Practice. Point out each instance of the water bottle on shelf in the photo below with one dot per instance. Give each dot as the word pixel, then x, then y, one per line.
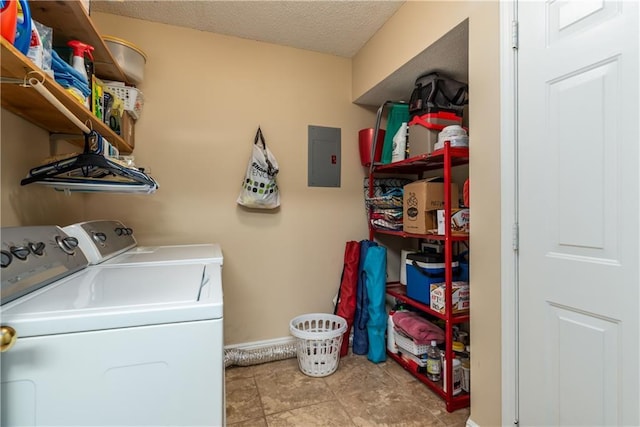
pixel 434 368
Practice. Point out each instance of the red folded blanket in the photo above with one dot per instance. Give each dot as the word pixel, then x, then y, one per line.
pixel 420 329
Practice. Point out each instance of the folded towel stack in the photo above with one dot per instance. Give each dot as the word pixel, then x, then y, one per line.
pixel 418 328
pixel 67 76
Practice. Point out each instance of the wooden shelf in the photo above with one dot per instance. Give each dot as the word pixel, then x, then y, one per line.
pixel 69 21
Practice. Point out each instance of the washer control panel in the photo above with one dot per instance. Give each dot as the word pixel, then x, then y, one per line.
pixel 33 257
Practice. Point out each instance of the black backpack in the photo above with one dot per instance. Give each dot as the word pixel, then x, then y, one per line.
pixel 434 93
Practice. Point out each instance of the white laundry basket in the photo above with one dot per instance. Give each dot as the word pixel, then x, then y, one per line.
pixel 319 337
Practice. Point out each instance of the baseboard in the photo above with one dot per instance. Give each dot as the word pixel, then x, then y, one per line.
pixel 471 423
pixel 261 344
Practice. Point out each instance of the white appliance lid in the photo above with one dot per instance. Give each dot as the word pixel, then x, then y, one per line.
pixel 107 298
pixel 174 254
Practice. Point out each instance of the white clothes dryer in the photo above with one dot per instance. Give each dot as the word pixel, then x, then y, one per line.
pixel 111 243
pixel 133 345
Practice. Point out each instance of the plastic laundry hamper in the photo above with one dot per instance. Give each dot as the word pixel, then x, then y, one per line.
pixel 319 337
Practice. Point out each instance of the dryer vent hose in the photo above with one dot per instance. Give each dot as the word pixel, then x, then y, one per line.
pixel 240 357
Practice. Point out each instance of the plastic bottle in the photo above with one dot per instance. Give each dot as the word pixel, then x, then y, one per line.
pixel 466 374
pixel 79 50
pixel 23 27
pixel 36 51
pixel 457 376
pixel 399 143
pixel 434 368
pixel 391 337
pixel 8 20
pixel 407 147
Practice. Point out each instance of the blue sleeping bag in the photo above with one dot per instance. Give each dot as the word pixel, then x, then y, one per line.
pixel 375 275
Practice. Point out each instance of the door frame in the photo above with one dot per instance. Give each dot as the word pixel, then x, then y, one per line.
pixel 509 212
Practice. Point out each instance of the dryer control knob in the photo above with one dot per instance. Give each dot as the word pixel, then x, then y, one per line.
pixel 120 231
pixel 99 237
pixel 37 248
pixel 67 244
pixel 6 259
pixel 20 252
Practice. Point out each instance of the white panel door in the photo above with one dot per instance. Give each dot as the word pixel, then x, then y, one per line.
pixel 578 213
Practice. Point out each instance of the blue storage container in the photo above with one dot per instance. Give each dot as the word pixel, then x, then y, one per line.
pixel 422 271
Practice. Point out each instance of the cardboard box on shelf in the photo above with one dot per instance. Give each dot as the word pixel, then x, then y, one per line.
pixel 419 199
pixel 421 140
pixel 459 297
pixel 459 221
pixel 127 129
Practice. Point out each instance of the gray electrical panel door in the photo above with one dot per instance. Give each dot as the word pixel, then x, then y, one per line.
pixel 324 157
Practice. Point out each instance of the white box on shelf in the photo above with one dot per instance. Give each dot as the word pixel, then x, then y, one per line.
pixel 459 221
pixel 459 297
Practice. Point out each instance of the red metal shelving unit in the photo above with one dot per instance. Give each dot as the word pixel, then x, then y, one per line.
pixel 443 159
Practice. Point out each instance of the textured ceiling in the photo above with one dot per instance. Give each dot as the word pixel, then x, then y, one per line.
pixel 337 27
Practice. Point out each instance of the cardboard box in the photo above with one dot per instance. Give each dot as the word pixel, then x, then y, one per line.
pixel 459 297
pixel 421 140
pixel 459 221
pixel 127 129
pixel 420 198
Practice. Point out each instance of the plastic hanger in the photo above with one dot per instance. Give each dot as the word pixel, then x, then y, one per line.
pixel 93 169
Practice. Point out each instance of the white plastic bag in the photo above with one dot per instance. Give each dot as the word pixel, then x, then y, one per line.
pixel 259 187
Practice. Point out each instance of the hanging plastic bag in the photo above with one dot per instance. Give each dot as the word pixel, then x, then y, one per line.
pixel 259 187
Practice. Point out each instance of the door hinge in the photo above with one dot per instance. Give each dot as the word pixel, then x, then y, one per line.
pixel 514 35
pixel 515 244
pixel 516 422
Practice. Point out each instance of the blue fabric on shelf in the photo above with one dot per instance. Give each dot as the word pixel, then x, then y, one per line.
pixel 67 76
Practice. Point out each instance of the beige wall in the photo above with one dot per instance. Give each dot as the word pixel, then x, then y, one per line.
pixel 22 147
pixel 205 96
pixel 404 36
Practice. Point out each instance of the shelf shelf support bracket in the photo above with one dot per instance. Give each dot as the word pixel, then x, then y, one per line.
pixel 55 137
pixel 13 81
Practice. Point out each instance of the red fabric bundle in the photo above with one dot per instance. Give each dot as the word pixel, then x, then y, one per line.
pixel 420 329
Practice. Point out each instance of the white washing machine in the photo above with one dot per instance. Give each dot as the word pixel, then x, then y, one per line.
pixel 128 345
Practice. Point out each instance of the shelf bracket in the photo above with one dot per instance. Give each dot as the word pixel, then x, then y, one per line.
pixel 14 81
pixel 55 137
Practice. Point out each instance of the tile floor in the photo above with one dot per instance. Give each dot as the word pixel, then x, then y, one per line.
pixel 359 393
